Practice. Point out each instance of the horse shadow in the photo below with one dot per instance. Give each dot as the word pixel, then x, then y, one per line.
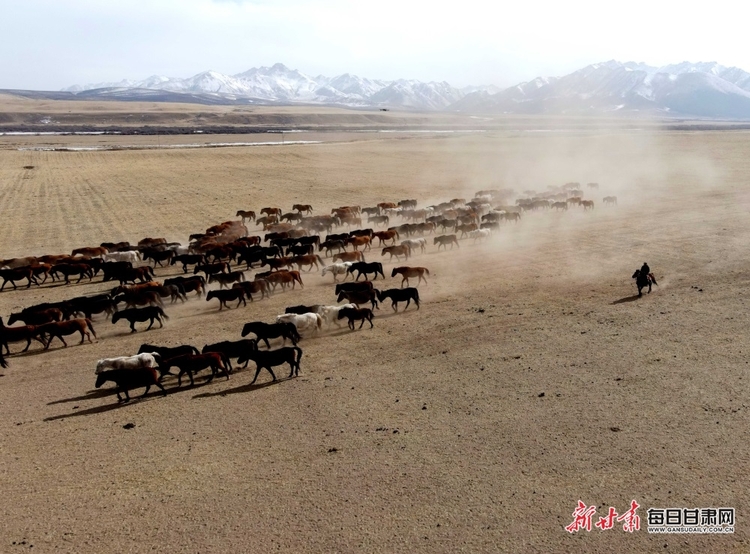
pixel 243 388
pixel 99 409
pixel 626 299
pixel 93 394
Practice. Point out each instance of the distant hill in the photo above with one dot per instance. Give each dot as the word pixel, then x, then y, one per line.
pixel 695 90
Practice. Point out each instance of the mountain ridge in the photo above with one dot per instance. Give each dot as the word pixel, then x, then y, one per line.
pixel 703 89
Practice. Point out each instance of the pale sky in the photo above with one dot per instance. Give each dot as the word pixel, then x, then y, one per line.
pixel 51 44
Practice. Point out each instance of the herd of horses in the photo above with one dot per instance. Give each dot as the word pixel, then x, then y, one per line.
pixel 291 245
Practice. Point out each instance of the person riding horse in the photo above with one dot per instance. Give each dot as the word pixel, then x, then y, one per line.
pixel 644 278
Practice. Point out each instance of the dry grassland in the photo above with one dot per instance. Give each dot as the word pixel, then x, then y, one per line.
pixel 474 424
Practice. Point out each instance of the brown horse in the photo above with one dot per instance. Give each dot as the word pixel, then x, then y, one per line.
pixel 253 287
pixel 356 242
pixel 61 328
pixel 466 228
pixel 308 260
pixel 271 211
pixel 445 240
pixel 303 208
pixel 398 251
pixel 355 256
pixel 17 274
pixel 37 317
pixel 277 263
pixel 284 278
pixel 410 272
pixel 151 242
pixel 245 215
pixel 18 334
pixel 90 251
pixel 14 263
pixel 385 236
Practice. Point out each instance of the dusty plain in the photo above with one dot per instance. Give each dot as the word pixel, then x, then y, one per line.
pixel 529 379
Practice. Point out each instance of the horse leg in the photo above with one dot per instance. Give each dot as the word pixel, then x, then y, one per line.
pixel 394 305
pixel 369 318
pixel 146 391
pixel 158 384
pixel 213 374
pixel 65 344
pixel 257 372
pixel 408 301
pixel 83 338
pixel 132 326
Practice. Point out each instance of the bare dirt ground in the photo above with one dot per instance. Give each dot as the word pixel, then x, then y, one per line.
pixel 529 379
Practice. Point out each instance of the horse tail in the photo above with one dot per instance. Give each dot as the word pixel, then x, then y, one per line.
pixel 416 296
pixel 319 321
pixel 298 351
pixel 320 260
pixel 162 313
pixel 91 327
pixel 194 349
pixel 427 271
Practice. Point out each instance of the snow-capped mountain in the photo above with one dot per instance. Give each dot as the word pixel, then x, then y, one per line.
pixel 278 83
pixel 684 89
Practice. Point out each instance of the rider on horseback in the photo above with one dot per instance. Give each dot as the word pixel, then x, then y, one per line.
pixel 645 270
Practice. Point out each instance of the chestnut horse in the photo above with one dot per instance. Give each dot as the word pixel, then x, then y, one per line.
pixel 385 236
pixel 407 272
pixel 61 328
pixel 17 334
pixel 397 251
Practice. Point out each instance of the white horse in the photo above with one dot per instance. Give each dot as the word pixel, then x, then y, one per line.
pixel 132 256
pixel 303 322
pixel 479 234
pixel 330 314
pixel 139 361
pixel 337 269
pixel 413 244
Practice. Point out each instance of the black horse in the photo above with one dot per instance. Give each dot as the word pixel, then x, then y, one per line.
pixel 152 313
pixel 400 295
pixel 644 280
pixel 363 268
pixel 265 331
pixel 271 358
